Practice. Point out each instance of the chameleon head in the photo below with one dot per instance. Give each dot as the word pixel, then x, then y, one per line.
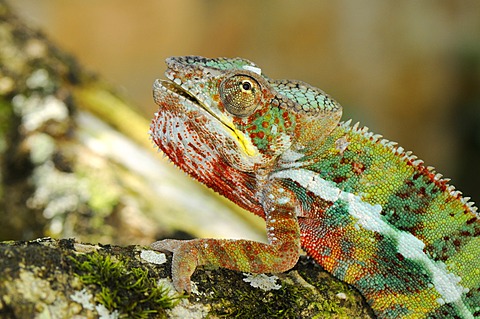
pixel 226 110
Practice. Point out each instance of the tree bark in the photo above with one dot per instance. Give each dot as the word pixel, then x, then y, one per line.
pixel 48 278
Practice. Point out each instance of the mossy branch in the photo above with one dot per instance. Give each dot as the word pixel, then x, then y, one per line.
pixel 64 279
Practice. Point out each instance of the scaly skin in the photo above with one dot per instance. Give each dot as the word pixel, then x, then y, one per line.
pixel 368 212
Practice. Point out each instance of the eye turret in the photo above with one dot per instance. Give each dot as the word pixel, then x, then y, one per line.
pixel 240 94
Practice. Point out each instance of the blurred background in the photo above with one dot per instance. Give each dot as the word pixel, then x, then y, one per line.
pixel 409 70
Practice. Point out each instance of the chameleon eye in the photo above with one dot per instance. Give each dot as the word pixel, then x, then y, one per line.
pixel 246 85
pixel 240 94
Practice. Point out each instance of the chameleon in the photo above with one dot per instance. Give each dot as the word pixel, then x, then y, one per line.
pixel 369 212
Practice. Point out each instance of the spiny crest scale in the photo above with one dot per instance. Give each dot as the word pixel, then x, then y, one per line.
pixel 408 156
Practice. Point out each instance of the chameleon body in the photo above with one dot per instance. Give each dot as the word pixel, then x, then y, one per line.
pixel 370 213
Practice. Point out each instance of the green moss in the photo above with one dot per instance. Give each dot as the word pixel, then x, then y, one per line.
pixel 130 290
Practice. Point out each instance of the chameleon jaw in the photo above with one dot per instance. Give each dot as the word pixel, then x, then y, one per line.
pixel 172 88
pixel 163 87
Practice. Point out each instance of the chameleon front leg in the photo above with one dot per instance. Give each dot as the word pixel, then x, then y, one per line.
pixel 278 255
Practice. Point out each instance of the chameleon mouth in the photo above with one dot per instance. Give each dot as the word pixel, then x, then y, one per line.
pixel 170 87
pixel 163 88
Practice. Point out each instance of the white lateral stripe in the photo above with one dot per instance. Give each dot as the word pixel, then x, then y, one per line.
pixel 368 216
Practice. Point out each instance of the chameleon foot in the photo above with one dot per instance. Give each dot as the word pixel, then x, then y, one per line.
pixel 184 261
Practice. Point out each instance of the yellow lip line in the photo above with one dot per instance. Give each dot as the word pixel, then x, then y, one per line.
pixel 245 143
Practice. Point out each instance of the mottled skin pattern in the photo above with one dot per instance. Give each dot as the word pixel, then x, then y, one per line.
pixel 368 212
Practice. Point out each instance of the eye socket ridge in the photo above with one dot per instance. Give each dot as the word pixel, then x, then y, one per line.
pixel 240 94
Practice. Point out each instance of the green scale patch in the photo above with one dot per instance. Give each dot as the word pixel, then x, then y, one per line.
pixel 266 128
